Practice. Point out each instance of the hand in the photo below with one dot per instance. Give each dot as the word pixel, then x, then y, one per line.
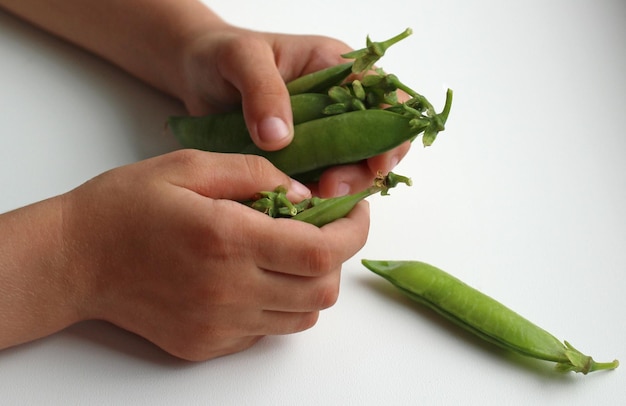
pixel 166 252
pixel 226 66
pixel 183 48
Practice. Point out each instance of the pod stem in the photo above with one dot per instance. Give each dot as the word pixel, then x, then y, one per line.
pixel 366 57
pixel 579 362
pixel 275 203
pixel 438 122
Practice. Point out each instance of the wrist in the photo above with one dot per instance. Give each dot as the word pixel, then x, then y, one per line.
pixel 40 293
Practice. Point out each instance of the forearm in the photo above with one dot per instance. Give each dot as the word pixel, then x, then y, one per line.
pixel 144 37
pixel 39 294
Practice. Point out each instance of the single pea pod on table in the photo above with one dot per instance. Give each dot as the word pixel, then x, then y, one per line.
pixel 481 314
pixel 336 121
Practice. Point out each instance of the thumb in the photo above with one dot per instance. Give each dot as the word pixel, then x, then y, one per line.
pixel 264 96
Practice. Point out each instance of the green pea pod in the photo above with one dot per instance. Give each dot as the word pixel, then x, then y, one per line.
pixel 341 139
pixel 318 143
pixel 331 209
pixel 364 58
pixel 318 211
pixel 227 132
pixel 320 81
pixel 482 315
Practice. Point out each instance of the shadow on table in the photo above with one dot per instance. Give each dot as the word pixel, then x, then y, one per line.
pixel 119 342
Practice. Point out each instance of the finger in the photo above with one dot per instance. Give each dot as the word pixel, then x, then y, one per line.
pixel 291 293
pixel 279 323
pixel 250 66
pixel 306 250
pixel 345 179
pixel 211 348
pixel 227 176
pixel 387 161
pixel 306 54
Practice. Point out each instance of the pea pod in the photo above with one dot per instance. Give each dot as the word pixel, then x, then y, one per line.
pixel 334 208
pixel 318 144
pixel 318 211
pixel 364 58
pixel 482 315
pixel 344 125
pixel 341 139
pixel 227 132
pixel 319 81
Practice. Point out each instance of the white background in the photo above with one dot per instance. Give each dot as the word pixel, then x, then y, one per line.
pixel 523 196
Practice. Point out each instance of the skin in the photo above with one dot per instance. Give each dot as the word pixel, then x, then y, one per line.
pixel 227 132
pixel 184 49
pixel 209 278
pixel 159 247
pixel 321 140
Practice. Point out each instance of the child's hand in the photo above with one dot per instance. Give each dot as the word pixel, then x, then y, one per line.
pixel 226 66
pixel 166 252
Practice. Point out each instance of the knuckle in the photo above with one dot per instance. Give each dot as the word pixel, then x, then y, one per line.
pixel 259 168
pixel 267 89
pixel 327 52
pixel 189 159
pixel 327 296
pixel 242 45
pixel 320 259
pixel 307 321
pixel 257 165
pixel 325 291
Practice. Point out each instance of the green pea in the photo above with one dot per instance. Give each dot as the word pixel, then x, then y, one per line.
pixel 482 315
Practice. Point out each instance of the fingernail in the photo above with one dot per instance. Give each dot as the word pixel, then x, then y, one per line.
pixel 343 189
pixel 272 129
pixel 299 189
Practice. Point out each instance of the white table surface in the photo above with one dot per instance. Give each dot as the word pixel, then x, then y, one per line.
pixel 523 196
